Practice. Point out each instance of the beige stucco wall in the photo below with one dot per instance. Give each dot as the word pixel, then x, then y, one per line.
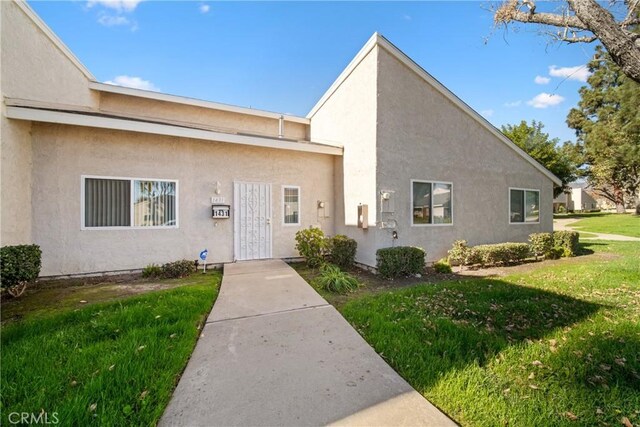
pixel 61 154
pixel 34 68
pixel 348 118
pixel 15 182
pixel 423 135
pixel 224 121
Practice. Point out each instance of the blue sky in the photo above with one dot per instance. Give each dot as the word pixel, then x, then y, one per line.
pixel 283 56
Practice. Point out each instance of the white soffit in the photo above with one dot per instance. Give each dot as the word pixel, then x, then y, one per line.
pixel 102 122
pixel 378 40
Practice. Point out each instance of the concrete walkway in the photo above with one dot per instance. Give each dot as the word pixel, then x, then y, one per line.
pixel 565 224
pixel 275 353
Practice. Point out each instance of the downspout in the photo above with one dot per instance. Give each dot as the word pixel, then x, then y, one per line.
pixel 281 127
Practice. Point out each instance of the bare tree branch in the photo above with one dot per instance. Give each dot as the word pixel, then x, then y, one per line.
pixel 584 15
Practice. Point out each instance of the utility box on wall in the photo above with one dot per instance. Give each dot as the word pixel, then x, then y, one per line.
pixel 363 216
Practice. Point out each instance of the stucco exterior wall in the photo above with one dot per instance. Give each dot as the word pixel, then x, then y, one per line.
pixel 61 154
pixel 348 118
pixel 34 68
pixel 15 182
pixel 224 121
pixel 423 135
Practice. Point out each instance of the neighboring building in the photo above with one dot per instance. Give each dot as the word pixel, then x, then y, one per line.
pixel 578 198
pixel 108 178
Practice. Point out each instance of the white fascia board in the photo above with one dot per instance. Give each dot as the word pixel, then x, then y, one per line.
pixel 74 119
pixel 158 96
pixel 22 4
pixel 368 46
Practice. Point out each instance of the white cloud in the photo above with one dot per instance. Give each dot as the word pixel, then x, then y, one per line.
pixel 112 21
pixel 513 104
pixel 544 100
pixel 119 5
pixel 407 17
pixel 204 8
pixel 539 80
pixel 579 72
pixel 133 82
pixel 487 113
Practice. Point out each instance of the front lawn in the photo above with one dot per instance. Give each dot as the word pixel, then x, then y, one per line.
pixel 109 363
pixel 623 224
pixel 557 345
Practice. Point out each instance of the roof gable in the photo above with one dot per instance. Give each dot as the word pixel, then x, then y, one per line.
pixel 383 43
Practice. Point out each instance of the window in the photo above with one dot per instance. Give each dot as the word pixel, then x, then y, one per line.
pixel 128 202
pixel 291 199
pixel 431 203
pixel 524 206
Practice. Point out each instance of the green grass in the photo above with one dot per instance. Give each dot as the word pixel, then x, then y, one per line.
pixel 123 356
pixel 556 346
pixel 623 224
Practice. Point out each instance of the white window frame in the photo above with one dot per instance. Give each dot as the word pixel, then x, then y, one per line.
pixel 432 182
pixel 292 224
pixel 132 220
pixel 525 222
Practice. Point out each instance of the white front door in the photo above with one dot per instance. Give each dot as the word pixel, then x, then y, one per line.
pixel 252 220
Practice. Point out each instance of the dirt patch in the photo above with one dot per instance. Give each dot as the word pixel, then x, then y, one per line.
pixel 51 295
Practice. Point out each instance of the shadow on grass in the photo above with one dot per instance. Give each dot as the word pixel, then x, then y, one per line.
pixel 427 330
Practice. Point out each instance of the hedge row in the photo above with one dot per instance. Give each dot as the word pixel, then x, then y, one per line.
pixel 556 244
pixel 312 244
pixel 19 265
pixel 400 261
pixel 170 270
pixel 500 253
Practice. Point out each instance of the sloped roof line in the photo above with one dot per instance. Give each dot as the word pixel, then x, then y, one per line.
pixel 378 40
pixel 26 9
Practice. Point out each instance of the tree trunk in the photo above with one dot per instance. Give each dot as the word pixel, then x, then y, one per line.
pixel 620 45
pixel 619 199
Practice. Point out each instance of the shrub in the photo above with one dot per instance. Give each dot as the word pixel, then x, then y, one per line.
pixel 152 270
pixel 333 279
pixel 19 266
pixel 400 261
pixel 561 209
pixel 541 243
pixel 442 266
pixel 311 244
pixel 178 269
pixel 568 240
pixel 500 253
pixel 458 253
pixel 555 253
pixel 342 250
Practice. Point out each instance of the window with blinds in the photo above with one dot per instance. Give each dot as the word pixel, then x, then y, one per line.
pixel 291 198
pixel 118 202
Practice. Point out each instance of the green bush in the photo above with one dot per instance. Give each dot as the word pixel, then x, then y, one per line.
pixel 311 244
pixel 152 270
pixel 442 266
pixel 19 265
pixel 400 261
pixel 500 253
pixel 541 243
pixel 555 252
pixel 458 253
pixel 342 250
pixel 568 240
pixel 177 269
pixel 333 279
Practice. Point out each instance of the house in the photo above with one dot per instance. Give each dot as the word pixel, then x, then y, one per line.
pixel 578 198
pixel 107 178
